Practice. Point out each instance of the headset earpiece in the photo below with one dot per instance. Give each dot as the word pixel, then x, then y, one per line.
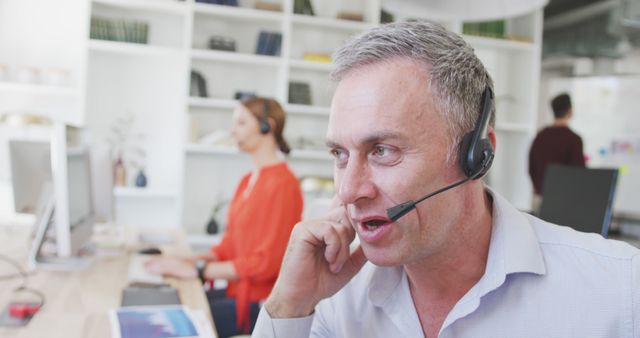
pixel 265 127
pixel 476 151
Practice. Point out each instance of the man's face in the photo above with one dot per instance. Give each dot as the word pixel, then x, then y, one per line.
pixel 390 146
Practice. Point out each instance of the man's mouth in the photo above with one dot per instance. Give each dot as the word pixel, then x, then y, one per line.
pixel 373 224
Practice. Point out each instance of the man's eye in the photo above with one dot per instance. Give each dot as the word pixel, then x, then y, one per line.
pixel 380 151
pixel 339 155
pixel 384 154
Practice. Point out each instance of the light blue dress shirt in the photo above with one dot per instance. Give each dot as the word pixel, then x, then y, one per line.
pixel 541 280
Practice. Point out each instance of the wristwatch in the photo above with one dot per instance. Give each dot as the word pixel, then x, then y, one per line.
pixel 201 264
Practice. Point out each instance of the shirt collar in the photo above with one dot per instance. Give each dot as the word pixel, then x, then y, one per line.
pixel 514 239
pixel 514 248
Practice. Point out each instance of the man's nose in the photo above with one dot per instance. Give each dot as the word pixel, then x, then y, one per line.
pixel 355 183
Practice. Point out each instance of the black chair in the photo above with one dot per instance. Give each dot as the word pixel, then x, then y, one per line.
pixel 579 197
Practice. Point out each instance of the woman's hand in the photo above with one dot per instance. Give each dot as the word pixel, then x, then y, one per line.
pixel 171 266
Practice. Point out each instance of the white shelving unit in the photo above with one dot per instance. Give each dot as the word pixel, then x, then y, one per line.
pixel 146 85
pixel 117 47
pixel 41 73
pixel 150 82
pixel 515 69
pixel 231 57
pixel 37 89
pixel 209 173
pixel 167 7
pixel 266 76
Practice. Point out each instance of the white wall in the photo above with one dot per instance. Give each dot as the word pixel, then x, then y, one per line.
pixel 605 111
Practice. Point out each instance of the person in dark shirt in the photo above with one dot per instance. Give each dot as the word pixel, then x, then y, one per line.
pixel 554 144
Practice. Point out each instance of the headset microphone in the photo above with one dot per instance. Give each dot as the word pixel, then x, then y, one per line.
pixel 394 213
pixel 476 156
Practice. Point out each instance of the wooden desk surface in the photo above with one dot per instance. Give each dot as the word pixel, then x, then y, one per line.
pixel 78 302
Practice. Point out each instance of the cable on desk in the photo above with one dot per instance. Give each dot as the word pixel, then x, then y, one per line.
pixel 16 265
pixel 25 276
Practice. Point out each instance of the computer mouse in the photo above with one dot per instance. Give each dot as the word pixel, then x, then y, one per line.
pixel 150 251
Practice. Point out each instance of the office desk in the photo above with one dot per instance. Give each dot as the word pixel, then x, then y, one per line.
pixel 78 302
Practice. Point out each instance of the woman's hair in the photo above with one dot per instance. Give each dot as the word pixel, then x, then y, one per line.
pixel 263 109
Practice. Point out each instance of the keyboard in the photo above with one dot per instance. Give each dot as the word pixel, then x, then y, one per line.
pixel 137 272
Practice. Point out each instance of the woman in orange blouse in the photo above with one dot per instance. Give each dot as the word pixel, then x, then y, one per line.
pixel 265 207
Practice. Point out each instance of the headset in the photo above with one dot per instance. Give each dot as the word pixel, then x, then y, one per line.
pixel 476 151
pixel 476 156
pixel 265 126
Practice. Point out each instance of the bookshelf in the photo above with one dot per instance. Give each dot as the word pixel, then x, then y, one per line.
pixel 208 173
pixel 514 64
pixel 243 70
pixel 150 82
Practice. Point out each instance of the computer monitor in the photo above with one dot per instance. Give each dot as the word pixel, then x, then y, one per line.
pixel 30 172
pixel 67 214
pixel 579 197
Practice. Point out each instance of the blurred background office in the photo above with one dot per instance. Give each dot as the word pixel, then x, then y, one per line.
pixel 130 102
pixel 153 83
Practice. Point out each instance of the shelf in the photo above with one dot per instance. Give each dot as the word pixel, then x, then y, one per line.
pixel 37 89
pixel 345 25
pixel 296 154
pixel 161 6
pixel 298 109
pixel 480 42
pixel 302 109
pixel 206 149
pixel 249 59
pixel 311 65
pixel 135 192
pixel 205 102
pixel 129 48
pixel 238 12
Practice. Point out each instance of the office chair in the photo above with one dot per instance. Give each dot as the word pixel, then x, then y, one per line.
pixel 579 197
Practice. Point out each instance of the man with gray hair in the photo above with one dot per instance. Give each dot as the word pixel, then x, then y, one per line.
pixel 412 113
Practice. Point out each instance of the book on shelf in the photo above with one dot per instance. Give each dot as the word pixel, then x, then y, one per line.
pixel 492 29
pixel 224 43
pixel 268 6
pixel 198 85
pixel 351 16
pixel 303 7
pixel 299 93
pixel 385 16
pixel 317 57
pixel 269 43
pixel 118 30
pixel 233 3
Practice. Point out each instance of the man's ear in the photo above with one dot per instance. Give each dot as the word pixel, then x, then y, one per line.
pixel 492 137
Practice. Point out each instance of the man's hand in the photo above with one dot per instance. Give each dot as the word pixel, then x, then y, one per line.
pixel 316 265
pixel 171 266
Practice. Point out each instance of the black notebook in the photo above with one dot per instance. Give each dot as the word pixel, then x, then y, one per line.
pixel 140 295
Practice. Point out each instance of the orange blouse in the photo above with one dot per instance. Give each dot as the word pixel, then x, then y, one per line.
pixel 259 223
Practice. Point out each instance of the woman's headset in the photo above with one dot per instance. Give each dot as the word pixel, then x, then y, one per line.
pixel 265 126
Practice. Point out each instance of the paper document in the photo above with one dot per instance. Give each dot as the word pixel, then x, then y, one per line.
pixel 159 322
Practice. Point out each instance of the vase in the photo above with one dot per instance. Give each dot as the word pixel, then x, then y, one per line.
pixel 141 179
